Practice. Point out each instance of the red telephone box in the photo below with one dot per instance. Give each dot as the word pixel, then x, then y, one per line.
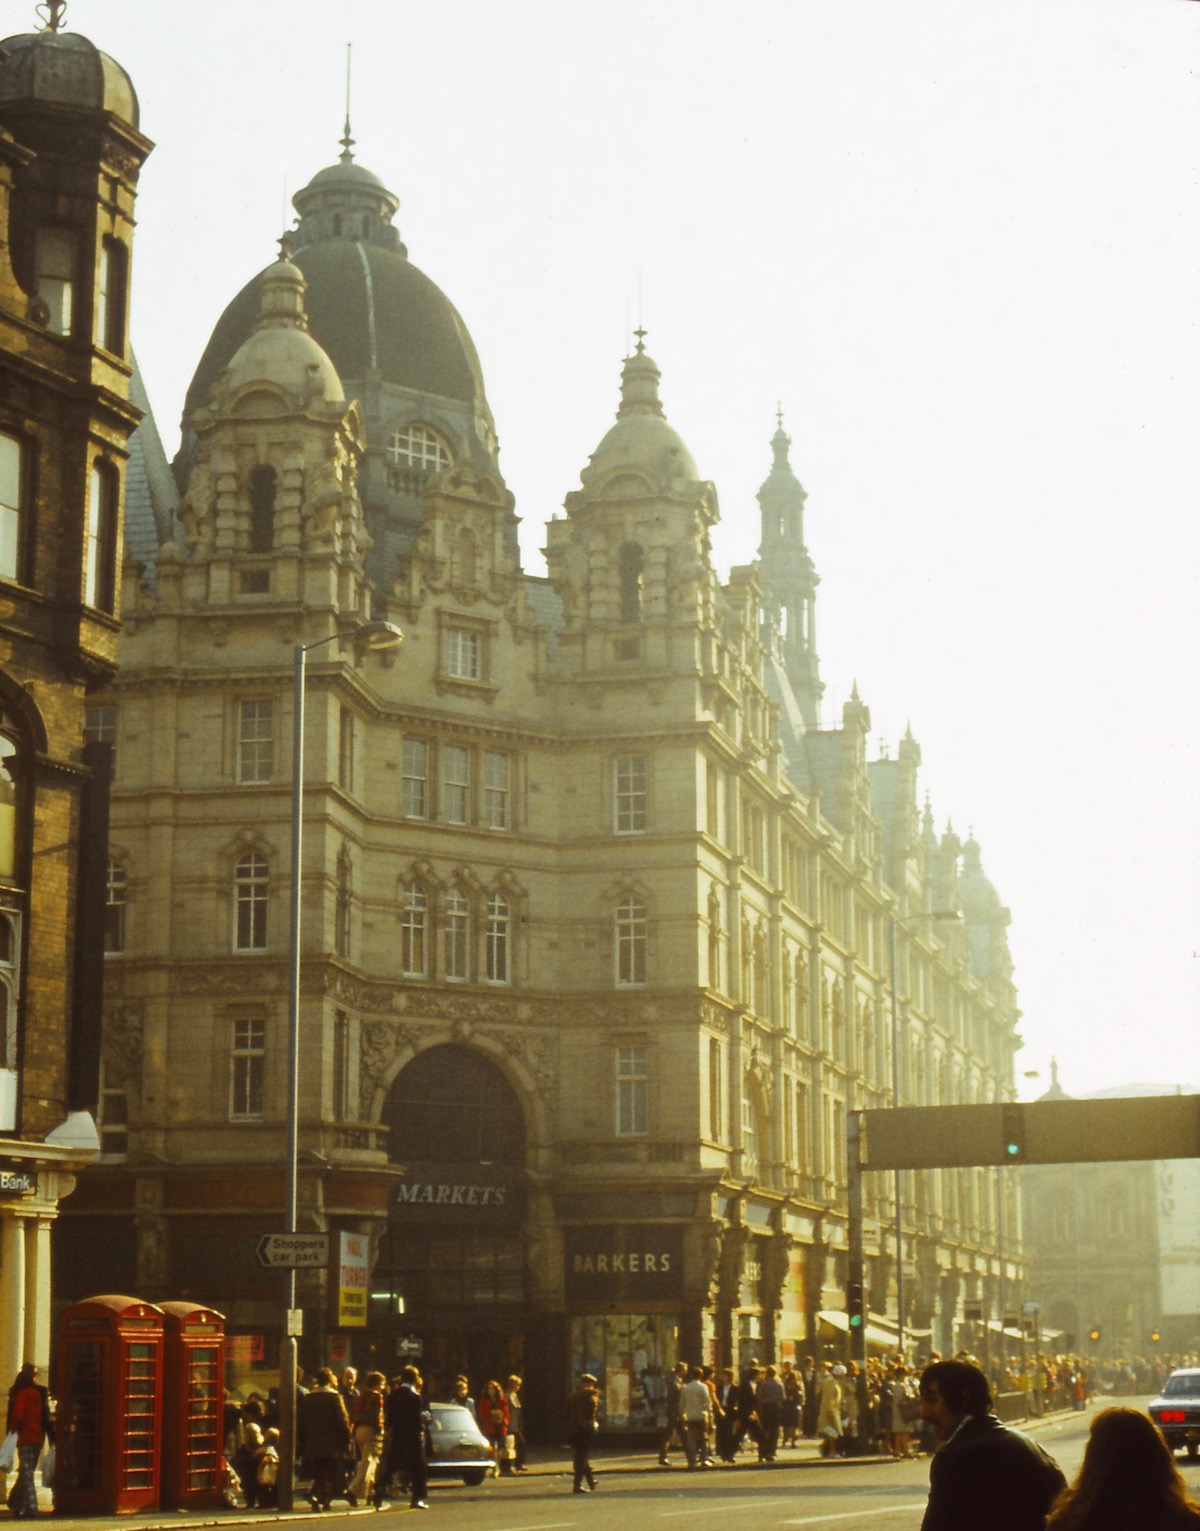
pixel 193 1405
pixel 110 1361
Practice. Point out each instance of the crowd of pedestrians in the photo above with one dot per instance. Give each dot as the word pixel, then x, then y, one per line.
pixel 354 1442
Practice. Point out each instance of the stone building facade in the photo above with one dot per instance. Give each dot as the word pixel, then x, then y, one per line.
pixel 70 153
pixel 597 914
pixel 1115 1248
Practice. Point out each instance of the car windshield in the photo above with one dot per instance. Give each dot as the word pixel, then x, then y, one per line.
pixel 452 1418
pixel 1183 1387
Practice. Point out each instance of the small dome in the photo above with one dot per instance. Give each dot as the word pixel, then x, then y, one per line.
pixel 66 69
pixel 641 442
pixel 281 352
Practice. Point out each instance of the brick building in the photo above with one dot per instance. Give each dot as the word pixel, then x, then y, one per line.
pixel 70 152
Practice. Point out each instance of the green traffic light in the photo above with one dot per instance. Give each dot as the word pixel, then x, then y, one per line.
pixel 1012 1149
pixel 856 1320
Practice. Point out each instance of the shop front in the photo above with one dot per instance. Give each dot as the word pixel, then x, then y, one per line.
pixel 624 1290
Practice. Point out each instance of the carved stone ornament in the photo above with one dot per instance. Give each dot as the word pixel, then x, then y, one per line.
pixel 123 1025
pixel 249 981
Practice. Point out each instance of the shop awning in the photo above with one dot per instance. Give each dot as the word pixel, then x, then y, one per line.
pixel 882 1338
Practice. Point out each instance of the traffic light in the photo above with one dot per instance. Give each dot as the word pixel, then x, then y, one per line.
pixel 1094 1333
pixel 1013 1126
pixel 1155 1335
pixel 854 1305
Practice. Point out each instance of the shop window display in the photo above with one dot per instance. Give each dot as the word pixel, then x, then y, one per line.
pixel 632 1355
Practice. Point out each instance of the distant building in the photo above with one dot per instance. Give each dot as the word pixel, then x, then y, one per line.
pixel 1116 1247
pixel 596 914
pixel 70 152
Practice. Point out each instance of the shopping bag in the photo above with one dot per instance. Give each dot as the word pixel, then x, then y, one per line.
pixel 48 1467
pixel 8 1452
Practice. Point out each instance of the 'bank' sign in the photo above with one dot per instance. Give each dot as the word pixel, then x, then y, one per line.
pixel 14 1182
pixel 616 1261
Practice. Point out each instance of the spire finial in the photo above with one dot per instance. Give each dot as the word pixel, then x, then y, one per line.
pixel 641 333
pixel 779 413
pixel 51 12
pixel 346 141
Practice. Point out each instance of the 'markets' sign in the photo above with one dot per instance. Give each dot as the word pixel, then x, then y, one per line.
pixel 457 1192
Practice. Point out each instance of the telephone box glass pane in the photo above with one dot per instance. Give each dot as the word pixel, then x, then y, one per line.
pixel 86 1383
pixel 200 1469
pixel 141 1386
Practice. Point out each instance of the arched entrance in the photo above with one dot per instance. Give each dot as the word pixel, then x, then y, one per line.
pixel 453 1255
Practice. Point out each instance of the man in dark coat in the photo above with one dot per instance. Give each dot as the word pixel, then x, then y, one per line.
pixel 323 1437
pixel 983 1474
pixel 404 1421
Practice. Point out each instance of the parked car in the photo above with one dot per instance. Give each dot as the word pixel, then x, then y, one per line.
pixel 1176 1411
pixel 457 1446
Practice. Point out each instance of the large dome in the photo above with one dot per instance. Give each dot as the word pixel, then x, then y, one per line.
pixel 371 310
pixel 374 313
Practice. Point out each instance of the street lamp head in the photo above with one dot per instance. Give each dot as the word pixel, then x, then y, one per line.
pixel 378 636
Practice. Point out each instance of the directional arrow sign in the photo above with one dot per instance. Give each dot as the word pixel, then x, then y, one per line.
pixel 291 1251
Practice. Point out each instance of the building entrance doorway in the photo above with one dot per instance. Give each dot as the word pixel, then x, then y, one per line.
pixel 450 1284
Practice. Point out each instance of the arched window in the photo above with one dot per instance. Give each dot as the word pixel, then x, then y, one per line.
pixel 114 908
pixel 456 937
pixel 416 446
pixel 263 483
pixel 630 931
pixel 452 1106
pixel 8 805
pixel 414 931
pixel 250 886
pixel 100 549
pixel 498 936
pixel 111 287
pixel 630 563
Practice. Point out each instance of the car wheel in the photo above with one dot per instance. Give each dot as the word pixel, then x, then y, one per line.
pixel 473 1480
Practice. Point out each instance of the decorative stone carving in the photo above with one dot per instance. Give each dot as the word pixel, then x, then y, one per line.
pixel 123 1042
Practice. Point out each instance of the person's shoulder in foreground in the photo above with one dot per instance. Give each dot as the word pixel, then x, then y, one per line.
pixel 984 1474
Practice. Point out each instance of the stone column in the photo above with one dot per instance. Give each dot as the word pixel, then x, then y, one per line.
pixel 37 1293
pixel 12 1292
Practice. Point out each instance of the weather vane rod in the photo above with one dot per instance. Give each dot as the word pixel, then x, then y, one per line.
pixel 347 141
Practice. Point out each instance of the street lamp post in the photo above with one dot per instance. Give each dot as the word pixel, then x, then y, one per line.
pixel 896 922
pixel 379 636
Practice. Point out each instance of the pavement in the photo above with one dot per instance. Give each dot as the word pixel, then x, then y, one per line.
pixel 611 1457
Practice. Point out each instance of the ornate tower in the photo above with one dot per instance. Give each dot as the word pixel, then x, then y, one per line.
pixel 789 578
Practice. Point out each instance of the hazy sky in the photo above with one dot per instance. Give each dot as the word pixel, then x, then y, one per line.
pixel 960 244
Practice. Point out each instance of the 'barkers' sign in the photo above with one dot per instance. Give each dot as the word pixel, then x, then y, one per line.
pixel 623 1261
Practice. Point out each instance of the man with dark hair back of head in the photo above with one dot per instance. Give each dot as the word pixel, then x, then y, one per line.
pixel 984 1475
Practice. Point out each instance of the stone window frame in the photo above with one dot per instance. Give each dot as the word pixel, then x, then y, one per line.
pixel 631 1089
pixel 247 1068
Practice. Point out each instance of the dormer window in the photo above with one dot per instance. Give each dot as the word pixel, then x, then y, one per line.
pixel 416 446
